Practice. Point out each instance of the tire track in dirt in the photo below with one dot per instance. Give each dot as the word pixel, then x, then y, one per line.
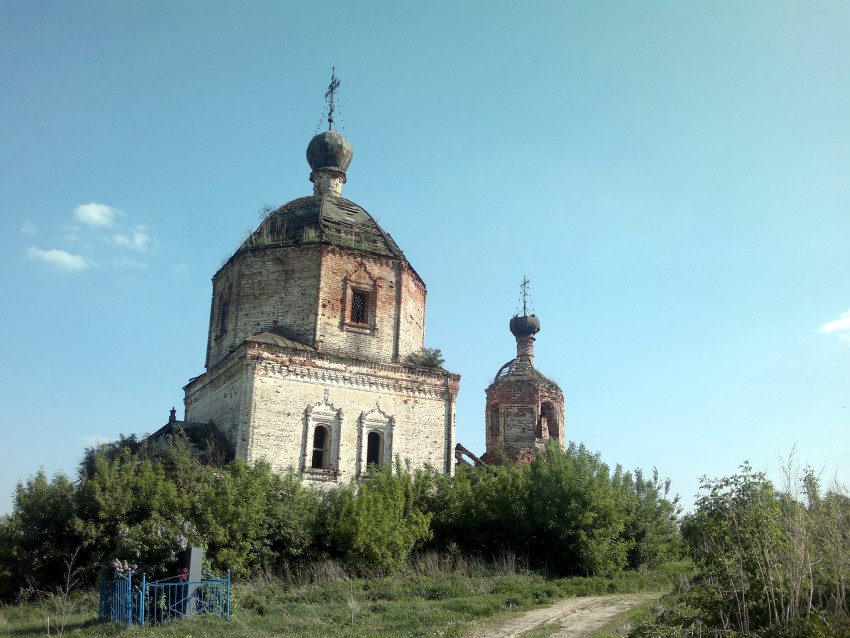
pixel 575 617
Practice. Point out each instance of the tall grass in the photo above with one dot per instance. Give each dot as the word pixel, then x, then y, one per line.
pixel 441 593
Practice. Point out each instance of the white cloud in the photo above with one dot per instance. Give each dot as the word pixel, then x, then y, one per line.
pixel 137 240
pixel 96 214
pixel 59 259
pixel 28 228
pixel 837 325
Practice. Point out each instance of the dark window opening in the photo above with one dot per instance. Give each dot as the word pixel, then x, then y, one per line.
pixel 222 317
pixel 550 414
pixel 359 307
pixel 373 449
pixel 321 439
pixel 494 420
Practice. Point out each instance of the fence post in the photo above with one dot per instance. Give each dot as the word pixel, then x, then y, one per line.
pixel 142 596
pixel 129 599
pixel 227 616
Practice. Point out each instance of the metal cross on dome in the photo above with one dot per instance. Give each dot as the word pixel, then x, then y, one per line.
pixel 329 96
pixel 524 293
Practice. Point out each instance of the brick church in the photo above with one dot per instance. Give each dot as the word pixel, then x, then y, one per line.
pixel 315 327
pixel 316 324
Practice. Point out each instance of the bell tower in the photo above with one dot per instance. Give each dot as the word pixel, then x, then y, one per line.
pixel 524 408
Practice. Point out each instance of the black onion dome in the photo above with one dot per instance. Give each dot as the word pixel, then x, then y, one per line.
pixel 329 150
pixel 525 326
pixel 323 219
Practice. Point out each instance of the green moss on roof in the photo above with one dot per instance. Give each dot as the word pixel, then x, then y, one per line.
pixel 326 219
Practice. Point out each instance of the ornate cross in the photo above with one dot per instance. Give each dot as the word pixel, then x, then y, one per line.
pixel 329 96
pixel 524 289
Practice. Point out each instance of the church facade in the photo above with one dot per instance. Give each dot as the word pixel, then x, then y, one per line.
pixel 315 325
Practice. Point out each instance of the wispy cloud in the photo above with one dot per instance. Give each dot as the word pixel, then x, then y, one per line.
pixel 59 259
pixel 840 326
pixel 99 215
pixel 98 235
pixel 137 239
pixel 28 228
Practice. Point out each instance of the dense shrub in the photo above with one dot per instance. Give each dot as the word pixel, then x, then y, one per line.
pixel 377 526
pixel 40 536
pixel 144 503
pixel 564 511
pixel 771 563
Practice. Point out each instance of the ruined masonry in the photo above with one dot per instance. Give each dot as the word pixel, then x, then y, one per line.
pixel 524 409
pixel 315 323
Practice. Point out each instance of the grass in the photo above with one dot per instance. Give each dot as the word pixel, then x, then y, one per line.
pixel 324 602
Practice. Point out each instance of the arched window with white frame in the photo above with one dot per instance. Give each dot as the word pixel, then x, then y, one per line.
pixel 320 442
pixel 321 448
pixel 374 448
pixel 375 438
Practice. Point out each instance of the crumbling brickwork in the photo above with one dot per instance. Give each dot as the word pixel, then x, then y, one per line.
pixel 271 400
pixel 311 324
pixel 524 408
pixel 522 414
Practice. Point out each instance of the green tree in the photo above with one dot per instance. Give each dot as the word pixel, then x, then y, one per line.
pixel 574 512
pixel 482 509
pixel 738 540
pixel 651 529
pixel 378 525
pixel 41 533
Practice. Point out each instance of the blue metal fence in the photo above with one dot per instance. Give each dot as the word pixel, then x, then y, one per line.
pixel 151 603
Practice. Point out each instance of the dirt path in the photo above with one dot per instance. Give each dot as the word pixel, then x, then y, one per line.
pixel 575 617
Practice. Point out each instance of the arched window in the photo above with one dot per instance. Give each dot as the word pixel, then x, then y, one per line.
pixel 548 411
pixel 321 448
pixel 374 449
pixel 223 309
pixel 494 420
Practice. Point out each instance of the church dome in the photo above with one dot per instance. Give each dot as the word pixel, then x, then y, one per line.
pixel 525 326
pixel 323 219
pixel 329 150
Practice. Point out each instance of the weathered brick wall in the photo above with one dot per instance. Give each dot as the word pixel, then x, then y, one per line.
pixel 413 296
pixel 396 324
pixel 222 396
pixel 261 402
pixel 518 403
pixel 269 288
pixel 283 288
pixel 269 400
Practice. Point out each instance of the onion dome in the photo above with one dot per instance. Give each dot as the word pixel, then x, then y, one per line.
pixel 525 326
pixel 329 151
pixel 329 155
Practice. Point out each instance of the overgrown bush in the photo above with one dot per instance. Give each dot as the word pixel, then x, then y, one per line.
pixel 378 525
pixel 41 534
pixel 771 563
pixel 564 511
pixel 143 503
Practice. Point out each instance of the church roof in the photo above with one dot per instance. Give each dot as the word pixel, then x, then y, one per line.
pixel 521 368
pixel 323 219
pixel 274 339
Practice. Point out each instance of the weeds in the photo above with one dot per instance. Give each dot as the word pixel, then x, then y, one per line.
pixel 440 593
pixel 62 601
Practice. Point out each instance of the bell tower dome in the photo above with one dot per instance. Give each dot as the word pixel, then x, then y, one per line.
pixel 524 408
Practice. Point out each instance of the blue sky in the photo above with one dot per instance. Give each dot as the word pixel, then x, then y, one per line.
pixel 671 176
